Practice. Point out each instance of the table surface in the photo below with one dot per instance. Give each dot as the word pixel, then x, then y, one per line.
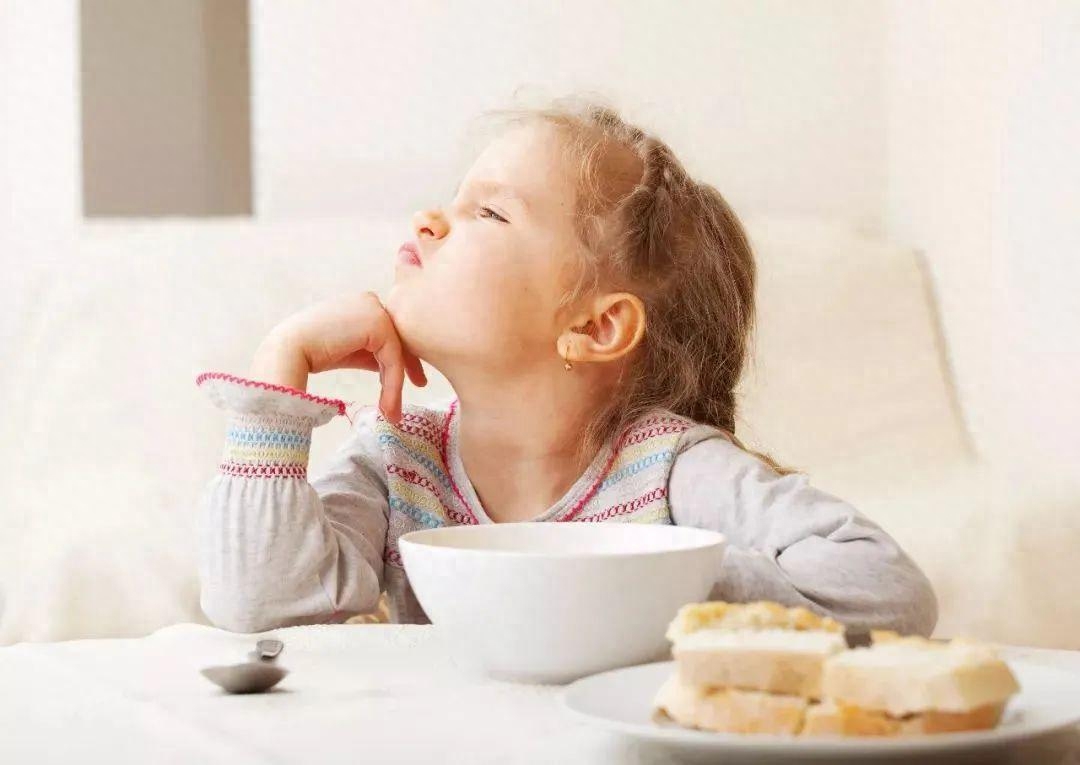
pixel 379 692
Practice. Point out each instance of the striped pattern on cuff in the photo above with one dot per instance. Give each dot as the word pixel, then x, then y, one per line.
pixel 267 446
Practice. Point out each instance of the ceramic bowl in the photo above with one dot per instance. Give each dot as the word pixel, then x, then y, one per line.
pixel 552 602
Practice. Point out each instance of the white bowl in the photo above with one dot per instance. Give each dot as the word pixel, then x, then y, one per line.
pixel 552 602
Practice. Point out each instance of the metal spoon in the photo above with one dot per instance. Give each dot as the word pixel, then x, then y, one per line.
pixel 257 675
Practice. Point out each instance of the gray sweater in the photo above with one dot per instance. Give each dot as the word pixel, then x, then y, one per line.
pixel 278 550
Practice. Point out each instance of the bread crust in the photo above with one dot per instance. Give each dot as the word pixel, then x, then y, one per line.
pixel 724 710
pixel 830 719
pixel 728 710
pixel 762 614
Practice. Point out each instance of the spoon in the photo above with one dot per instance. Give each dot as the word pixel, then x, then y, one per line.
pixel 257 675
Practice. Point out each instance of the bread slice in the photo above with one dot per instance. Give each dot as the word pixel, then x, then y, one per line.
pixel 723 710
pixel 830 719
pixel 760 646
pixel 911 675
pixel 762 614
pixel 773 660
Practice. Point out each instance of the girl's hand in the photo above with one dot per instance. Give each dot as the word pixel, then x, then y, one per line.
pixel 350 332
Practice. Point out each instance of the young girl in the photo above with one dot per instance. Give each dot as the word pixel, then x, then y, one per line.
pixel 591 304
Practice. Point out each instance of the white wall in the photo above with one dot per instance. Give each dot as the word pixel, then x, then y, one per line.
pixel 164 97
pixel 361 108
pixel 983 120
pixel 5 173
pixel 41 125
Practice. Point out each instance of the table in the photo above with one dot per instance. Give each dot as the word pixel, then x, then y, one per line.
pixel 358 693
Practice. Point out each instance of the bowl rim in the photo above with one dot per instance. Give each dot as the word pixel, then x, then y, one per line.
pixel 710 539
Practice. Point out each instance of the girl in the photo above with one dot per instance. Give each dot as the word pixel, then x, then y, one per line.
pixel 591 305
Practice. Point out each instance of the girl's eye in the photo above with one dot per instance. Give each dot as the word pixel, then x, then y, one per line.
pixel 492 214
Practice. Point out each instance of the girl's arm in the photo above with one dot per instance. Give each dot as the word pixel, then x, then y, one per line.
pixel 790 542
pixel 275 550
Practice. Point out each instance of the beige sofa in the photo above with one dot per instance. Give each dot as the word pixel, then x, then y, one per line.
pixel 109 443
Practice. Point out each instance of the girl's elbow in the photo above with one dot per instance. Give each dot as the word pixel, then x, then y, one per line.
pixel 915 606
pixel 927 607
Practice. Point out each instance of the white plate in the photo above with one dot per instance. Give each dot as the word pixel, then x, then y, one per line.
pixel 1049 699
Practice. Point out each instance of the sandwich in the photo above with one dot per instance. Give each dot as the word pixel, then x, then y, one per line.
pixel 764 668
pixel 908 686
pixel 751 668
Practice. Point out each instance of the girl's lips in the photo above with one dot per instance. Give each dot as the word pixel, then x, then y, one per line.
pixel 409 254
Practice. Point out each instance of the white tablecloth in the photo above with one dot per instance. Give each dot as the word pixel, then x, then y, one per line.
pixel 357 693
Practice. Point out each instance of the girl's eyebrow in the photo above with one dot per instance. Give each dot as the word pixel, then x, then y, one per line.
pixel 497 189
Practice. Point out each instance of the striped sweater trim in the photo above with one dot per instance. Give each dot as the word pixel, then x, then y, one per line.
pixel 418 514
pixel 630 506
pixel 427 503
pixel 636 467
pixel 266 446
pixel 635 434
pixel 263 471
pixel 578 506
pixel 418 425
pixel 415 479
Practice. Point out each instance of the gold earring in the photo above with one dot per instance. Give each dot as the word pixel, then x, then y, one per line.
pixel 567 365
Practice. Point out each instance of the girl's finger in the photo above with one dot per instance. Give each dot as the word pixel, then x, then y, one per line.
pixel 390 398
pixel 415 370
pixel 392 378
pixel 362 359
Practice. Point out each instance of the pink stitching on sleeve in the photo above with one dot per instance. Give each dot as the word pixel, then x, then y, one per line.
pixel 444 442
pixel 270 386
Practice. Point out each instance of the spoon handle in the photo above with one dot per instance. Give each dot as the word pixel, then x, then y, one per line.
pixel 268 649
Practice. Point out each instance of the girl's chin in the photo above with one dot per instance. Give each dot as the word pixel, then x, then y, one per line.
pixel 407 322
pixel 397 302
pixel 421 323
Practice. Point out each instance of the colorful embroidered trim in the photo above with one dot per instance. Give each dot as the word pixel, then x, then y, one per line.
pixel 635 434
pixel 423 492
pixel 416 425
pixel 420 459
pixel 267 446
pixel 336 402
pixel 264 471
pixel 626 507
pixel 637 466
pixel 418 514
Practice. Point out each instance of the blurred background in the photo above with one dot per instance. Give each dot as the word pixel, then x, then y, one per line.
pixel 178 175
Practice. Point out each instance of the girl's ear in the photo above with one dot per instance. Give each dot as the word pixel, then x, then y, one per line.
pixel 609 329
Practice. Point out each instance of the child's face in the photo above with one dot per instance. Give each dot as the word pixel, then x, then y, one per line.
pixel 487 291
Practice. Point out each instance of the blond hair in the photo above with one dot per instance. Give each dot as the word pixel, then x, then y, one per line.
pixel 651 229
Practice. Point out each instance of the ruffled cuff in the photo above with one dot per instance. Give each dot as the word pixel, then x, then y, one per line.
pixel 270 429
pixel 244 396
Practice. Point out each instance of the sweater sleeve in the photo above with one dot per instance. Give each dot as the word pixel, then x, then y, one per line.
pixel 273 549
pixel 793 543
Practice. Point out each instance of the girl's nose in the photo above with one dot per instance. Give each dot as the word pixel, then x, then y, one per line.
pixel 430 224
